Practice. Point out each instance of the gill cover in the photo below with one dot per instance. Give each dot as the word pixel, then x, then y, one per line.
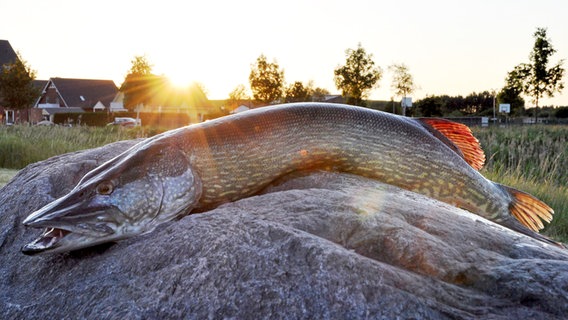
pixel 131 194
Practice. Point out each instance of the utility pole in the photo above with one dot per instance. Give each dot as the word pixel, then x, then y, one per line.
pixel 494 116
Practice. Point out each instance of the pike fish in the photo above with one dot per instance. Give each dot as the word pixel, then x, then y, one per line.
pixel 201 166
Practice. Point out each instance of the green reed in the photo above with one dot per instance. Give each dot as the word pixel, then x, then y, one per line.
pixel 22 145
pixel 6 175
pixel 533 159
pixel 531 152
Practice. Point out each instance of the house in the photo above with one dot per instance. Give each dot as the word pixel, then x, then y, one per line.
pixel 11 116
pixel 117 104
pixel 7 55
pixel 8 115
pixel 68 95
pixel 167 99
pixel 333 98
pixel 239 109
pixel 87 94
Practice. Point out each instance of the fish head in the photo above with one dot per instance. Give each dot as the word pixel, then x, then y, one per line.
pixel 126 196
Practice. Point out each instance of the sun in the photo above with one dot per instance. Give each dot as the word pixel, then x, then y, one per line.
pixel 180 80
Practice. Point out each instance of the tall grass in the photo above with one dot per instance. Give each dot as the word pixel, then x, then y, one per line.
pixel 22 145
pixel 533 159
pixel 533 152
pixel 6 175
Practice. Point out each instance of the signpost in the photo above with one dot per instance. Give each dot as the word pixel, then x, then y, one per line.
pixel 406 102
pixel 505 108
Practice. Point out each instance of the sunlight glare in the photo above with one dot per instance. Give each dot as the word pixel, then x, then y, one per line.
pixel 180 80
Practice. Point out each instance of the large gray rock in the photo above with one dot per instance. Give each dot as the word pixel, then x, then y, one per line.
pixel 319 246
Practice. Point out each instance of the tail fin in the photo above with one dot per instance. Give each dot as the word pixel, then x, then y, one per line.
pixel 530 212
pixel 515 225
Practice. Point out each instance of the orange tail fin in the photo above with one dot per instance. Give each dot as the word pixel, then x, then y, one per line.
pixel 529 210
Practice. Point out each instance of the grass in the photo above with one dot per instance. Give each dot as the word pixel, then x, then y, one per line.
pixel 6 175
pixel 537 153
pixel 22 145
pixel 533 159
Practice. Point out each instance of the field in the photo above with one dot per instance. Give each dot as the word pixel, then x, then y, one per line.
pixel 530 158
pixel 533 159
pixel 22 145
pixel 6 175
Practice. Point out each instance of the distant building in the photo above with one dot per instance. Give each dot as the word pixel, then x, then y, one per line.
pixel 239 109
pixel 67 95
pixel 333 98
pixel 86 94
pixel 117 104
pixel 7 55
pixel 8 115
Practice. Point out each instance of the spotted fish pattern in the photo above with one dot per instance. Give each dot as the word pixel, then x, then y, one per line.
pixel 201 166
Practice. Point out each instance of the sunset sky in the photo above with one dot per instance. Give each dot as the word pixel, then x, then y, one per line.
pixel 451 47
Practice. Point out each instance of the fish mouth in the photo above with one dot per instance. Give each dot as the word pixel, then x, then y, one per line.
pixel 48 240
pixel 58 239
pixel 63 232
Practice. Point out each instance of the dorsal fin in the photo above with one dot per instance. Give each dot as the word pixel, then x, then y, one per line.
pixel 461 138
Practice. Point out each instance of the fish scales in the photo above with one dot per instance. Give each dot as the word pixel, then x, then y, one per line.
pixel 201 166
pixel 260 147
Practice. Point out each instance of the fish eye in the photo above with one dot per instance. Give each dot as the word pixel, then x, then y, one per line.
pixel 105 188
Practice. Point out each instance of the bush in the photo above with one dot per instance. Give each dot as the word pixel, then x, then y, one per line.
pixel 100 119
pixel 561 113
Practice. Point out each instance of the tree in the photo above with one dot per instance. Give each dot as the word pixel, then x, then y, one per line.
pixel 402 82
pixel 316 93
pixel 297 92
pixel 431 106
pixel 16 84
pixel 358 76
pixel 561 113
pixel 478 103
pixel 512 95
pixel 239 93
pixel 536 79
pixel 140 85
pixel 140 66
pixel 444 105
pixel 266 80
pixel 193 95
pixel 237 96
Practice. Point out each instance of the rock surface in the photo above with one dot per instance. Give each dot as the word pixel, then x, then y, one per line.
pixel 322 246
